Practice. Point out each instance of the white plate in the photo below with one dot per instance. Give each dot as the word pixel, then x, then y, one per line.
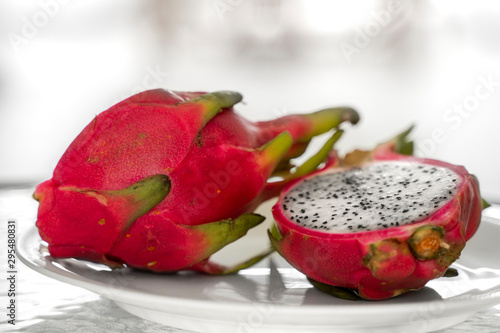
pixel 273 297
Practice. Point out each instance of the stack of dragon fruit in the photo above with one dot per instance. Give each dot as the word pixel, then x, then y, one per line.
pixel 163 180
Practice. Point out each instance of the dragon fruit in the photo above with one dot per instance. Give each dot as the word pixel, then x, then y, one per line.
pixel 377 224
pixel 164 179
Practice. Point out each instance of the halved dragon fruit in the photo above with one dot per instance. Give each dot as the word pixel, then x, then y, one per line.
pixel 164 179
pixel 380 223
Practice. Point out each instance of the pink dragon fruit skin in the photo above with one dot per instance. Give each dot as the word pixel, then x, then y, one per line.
pixel 381 264
pixel 164 179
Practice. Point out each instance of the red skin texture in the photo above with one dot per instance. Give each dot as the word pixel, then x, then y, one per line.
pixel 337 259
pixel 216 172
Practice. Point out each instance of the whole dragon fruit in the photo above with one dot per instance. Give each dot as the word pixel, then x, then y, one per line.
pixel 380 223
pixel 164 179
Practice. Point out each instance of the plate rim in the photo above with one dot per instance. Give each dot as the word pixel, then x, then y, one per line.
pixel 124 295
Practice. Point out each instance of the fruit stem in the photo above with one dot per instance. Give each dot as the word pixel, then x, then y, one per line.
pixel 312 163
pixel 403 145
pixel 211 268
pixel 324 120
pixel 485 204
pixel 450 272
pixel 220 233
pixel 339 292
pixel 227 99
pixel 214 102
pixel 272 189
pixel 273 151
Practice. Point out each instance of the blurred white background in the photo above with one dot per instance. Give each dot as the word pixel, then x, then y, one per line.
pixel 434 63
